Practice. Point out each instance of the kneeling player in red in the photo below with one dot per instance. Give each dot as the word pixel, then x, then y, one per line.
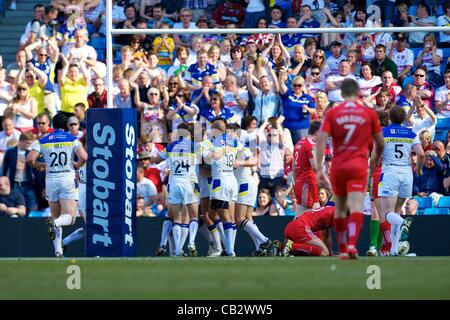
pixel 309 234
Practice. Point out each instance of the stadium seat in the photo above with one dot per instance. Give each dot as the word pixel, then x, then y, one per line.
pixel 424 202
pixel 443 124
pixel 435 211
pixel 444 202
pixel 99 43
pixel 36 214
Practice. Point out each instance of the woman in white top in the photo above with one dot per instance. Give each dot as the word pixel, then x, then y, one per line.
pixel 255 10
pixel 367 80
pixel 6 93
pixel 24 107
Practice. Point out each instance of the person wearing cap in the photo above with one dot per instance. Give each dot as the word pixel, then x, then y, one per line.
pixel 336 57
pixel 73 126
pixel 402 56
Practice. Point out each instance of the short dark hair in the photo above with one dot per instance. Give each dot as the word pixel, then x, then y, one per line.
pixel 383 117
pixel 378 46
pixel 397 115
pixel 60 121
pixel 50 9
pixel 350 88
pixel 247 120
pixel 314 127
pixel 160 6
pixel 39 5
pixel 276 7
pixel 26 136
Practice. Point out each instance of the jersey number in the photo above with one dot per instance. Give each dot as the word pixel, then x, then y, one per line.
pixel 351 128
pixel 230 160
pixel 181 165
pixel 398 152
pixel 59 159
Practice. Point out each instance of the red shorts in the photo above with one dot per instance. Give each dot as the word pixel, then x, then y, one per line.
pixel 306 193
pixel 348 180
pixel 299 232
pixel 375 181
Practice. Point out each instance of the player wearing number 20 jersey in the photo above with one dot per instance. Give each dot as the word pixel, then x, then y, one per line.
pixel 351 126
pixel 58 149
pixel 183 158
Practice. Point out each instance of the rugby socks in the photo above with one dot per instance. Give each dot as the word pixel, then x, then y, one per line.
pixel 166 228
pixel 74 236
pixel 57 243
pixel 228 229
pixel 386 233
pixel 257 242
pixel 204 231
pixel 380 239
pixel 374 233
pixel 176 231
pixel 394 218
pixel 234 236
pixel 219 226
pixel 395 237
pixel 340 226
pixel 193 228
pixel 355 223
pixel 216 237
pixel 184 234
pixel 63 220
pixel 306 249
pixel 171 244
pixel 253 232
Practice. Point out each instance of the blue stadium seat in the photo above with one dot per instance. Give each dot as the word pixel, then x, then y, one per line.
pixel 36 214
pixel 443 123
pixel 99 43
pixel 444 202
pixel 434 211
pixel 424 202
pixel 416 51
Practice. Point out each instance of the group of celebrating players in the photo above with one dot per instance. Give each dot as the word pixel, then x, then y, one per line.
pixel 212 188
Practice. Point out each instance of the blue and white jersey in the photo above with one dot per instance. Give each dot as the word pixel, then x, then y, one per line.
pixel 398 142
pixel 222 167
pixel 243 174
pixel 58 150
pixel 183 158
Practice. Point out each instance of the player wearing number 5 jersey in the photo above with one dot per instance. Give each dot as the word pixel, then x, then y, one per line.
pixel 183 156
pixel 396 182
pixel 58 150
pixel 350 125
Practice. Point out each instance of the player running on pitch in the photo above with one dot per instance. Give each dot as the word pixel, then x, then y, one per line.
pixel 350 125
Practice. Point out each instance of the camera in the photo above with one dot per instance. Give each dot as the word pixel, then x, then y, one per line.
pixel 365 38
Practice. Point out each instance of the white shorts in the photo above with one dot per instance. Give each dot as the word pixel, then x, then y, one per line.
pixel 183 193
pixel 205 186
pixel 56 189
pixel 82 197
pixel 396 183
pixel 248 192
pixel 224 189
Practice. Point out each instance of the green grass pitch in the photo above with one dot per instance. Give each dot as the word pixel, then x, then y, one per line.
pixel 226 278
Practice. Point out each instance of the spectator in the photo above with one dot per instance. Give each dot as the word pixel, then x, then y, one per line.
pixel 424 89
pixel 235 98
pixel 186 23
pixel 214 59
pixel 254 11
pixel 439 148
pixel 43 126
pixel 406 98
pixel 19 172
pixel 382 63
pixel 80 112
pixel 423 19
pixel 237 64
pixel 73 126
pixel 322 105
pixel 129 23
pixel 319 60
pixel 145 187
pixel 36 87
pixel 307 21
pixel 410 207
pixel 334 61
pixel 272 145
pixel 196 71
pixel 298 107
pixel 324 195
pixel 442 97
pixel 80 51
pixel 276 15
pixel 24 108
pixel 402 56
pixel 159 17
pixel 181 63
pixel 431 179
pixel 6 93
pixel 73 86
pixel 431 57
pixel 42 28
pixel 314 83
pixel 163 46
pixel 12 203
pixel 334 82
pixel 183 110
pixel 425 140
pixel 366 47
pixel 98 98
pixel 229 12
pixel 423 119
pixel 299 62
pixel 265 205
pixel 217 109
pixel 387 84
pixel 367 80
pixel 202 97
pixel 290 40
pixel 39 12
pixel 444 20
pixel 353 57
pixel 123 99
pixel 336 20
pixel 267 99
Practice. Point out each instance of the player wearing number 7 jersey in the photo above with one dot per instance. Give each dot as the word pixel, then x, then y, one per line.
pixel 58 150
pixel 350 125
pixel 396 182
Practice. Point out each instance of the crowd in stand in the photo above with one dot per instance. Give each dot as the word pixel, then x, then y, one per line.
pixel 256 81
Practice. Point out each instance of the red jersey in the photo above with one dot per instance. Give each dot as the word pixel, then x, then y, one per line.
pixel 394 92
pixel 318 219
pixel 303 152
pixel 351 125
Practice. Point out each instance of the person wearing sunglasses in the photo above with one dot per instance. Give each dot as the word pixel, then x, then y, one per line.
pixel 183 110
pixel 36 80
pixel 424 88
pixel 314 83
pixel 297 105
pixel 421 117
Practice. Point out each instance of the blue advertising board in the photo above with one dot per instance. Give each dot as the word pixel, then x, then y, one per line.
pixel 111 183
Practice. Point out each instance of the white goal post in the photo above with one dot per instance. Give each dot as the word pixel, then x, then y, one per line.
pixel 110 32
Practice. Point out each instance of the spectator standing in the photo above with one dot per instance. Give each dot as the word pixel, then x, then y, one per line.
pixel 420 117
pixel 98 98
pixel 23 108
